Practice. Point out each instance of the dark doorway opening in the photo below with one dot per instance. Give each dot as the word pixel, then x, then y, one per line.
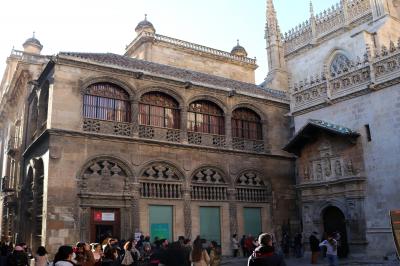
pixel 334 221
pixel 103 231
pixel 104 223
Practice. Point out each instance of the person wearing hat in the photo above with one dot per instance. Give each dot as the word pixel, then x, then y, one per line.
pixel 264 254
pixel 314 247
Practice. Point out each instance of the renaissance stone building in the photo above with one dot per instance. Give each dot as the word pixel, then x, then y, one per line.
pixel 174 138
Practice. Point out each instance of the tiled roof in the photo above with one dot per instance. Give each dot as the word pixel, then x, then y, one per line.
pixel 174 72
pixel 333 127
pixel 304 134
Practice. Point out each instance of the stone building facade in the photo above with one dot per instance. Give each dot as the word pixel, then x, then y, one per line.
pixel 106 144
pixel 345 110
pixel 172 137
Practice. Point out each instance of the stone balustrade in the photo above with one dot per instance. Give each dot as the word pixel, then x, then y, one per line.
pixel 17 53
pixel 159 133
pixel 251 194
pixel 387 61
pixel 161 190
pixel 171 135
pixel 324 23
pixel 209 193
pixel 204 139
pixel 362 74
pixel 197 47
pixel 248 145
pixel 107 127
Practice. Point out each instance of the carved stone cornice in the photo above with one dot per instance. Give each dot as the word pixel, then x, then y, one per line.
pixel 326 184
pixel 64 132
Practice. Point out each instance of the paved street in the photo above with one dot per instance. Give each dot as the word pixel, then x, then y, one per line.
pixel 306 261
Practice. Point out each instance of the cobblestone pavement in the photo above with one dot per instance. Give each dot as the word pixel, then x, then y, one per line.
pixel 306 261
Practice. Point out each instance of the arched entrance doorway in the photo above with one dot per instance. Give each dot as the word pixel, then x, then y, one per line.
pixel 334 221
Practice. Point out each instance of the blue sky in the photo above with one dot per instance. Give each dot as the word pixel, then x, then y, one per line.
pixel 99 26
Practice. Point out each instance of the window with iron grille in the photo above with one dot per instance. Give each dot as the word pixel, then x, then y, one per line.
pixel 106 101
pixel 206 117
pixel 160 110
pixel 246 124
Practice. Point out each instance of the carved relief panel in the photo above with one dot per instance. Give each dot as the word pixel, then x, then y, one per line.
pixel 325 162
pixel 104 176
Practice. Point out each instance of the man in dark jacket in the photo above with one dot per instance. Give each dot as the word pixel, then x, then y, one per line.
pixel 19 257
pixel 265 255
pixel 314 246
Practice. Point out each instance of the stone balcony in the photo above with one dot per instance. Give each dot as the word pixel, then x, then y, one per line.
pixel 248 145
pixel 171 135
pixel 361 76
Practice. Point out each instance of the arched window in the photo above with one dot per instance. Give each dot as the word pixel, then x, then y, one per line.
pixel 206 117
pixel 159 109
pixel 339 63
pixel 246 124
pixel 106 101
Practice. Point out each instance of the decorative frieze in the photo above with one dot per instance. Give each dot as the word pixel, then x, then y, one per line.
pixel 159 133
pixel 347 77
pixel 325 23
pixel 197 138
pixel 248 145
pixel 107 127
pixel 251 188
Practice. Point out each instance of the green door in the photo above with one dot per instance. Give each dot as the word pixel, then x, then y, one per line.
pixel 210 224
pixel 252 221
pixel 160 218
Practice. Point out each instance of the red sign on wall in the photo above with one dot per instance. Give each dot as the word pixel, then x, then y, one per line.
pixel 100 216
pixel 97 216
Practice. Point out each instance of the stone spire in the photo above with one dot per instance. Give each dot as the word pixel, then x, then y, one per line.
pixel 379 8
pixel 313 22
pixel 272 28
pixel 311 9
pixel 277 76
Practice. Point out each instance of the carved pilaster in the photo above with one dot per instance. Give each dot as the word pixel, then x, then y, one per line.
pixel 187 213
pixel 233 225
pixel 135 206
pixel 228 130
pixel 135 119
pixel 84 223
pixel 184 138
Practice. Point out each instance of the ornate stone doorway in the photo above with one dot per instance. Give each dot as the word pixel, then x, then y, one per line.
pixel 334 221
pixel 104 223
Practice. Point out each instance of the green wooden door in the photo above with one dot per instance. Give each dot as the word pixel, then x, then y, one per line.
pixel 160 218
pixel 252 221
pixel 210 224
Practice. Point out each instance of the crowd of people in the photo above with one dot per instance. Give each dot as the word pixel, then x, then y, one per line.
pixel 159 252
pixel 112 252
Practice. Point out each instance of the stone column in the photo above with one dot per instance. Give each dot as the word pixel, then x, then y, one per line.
pixel 265 129
pixel 228 130
pixel 135 118
pixel 84 223
pixel 233 224
pixel 135 207
pixel 187 213
pixel 183 126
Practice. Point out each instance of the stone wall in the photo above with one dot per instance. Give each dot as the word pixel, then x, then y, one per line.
pixel 381 111
pixel 66 223
pixel 169 51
